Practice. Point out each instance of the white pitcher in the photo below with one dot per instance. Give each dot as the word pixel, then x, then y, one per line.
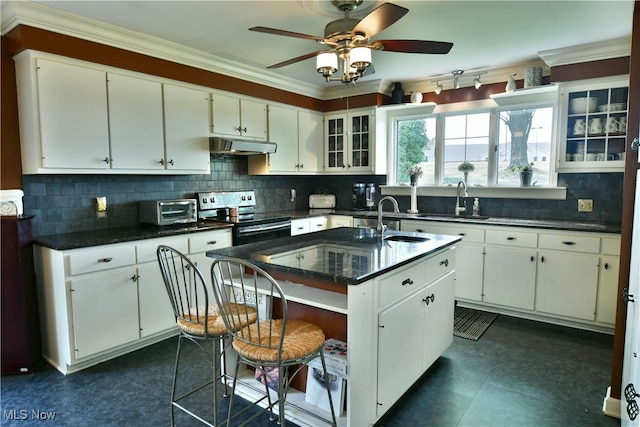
pixel 579 127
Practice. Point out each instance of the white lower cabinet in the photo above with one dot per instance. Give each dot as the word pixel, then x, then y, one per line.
pixel 100 302
pixel 559 276
pixel 308 225
pixel 416 329
pixel 510 277
pixel 104 310
pixel 336 221
pixel 567 284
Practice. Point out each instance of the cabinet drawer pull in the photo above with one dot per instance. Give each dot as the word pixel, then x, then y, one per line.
pixel 445 262
pixel 212 242
pixel 407 282
pixel 568 243
pixel 462 234
pixel 108 259
pixel 511 238
pixel 419 230
pixel 429 297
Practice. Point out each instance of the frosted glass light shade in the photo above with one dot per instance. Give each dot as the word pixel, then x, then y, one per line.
pixel 327 63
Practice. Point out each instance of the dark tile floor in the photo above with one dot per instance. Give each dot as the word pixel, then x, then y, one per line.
pixel 520 373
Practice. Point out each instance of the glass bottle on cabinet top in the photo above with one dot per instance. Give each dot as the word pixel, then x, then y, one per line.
pixel 596 126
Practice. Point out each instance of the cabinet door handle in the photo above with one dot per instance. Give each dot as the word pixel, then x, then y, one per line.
pixel 541 259
pixel 407 282
pixel 108 259
pixel 606 265
pixel 162 162
pixel 532 258
pixel 568 243
pixel 511 238
pixel 429 297
pixel 445 262
pixel 106 160
pixel 171 162
pixel 135 277
pixel 301 165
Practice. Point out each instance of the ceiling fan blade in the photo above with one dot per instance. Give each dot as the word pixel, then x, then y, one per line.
pixel 286 33
pixel 413 46
pixel 380 18
pixel 296 59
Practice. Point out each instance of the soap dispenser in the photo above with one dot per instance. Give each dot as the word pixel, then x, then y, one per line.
pixel 476 207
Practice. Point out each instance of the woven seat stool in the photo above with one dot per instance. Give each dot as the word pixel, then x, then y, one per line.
pixel 277 348
pixel 198 321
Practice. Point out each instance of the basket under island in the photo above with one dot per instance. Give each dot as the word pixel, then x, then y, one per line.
pixel 390 299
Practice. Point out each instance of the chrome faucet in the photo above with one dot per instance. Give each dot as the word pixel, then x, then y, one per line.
pixel 463 208
pixel 381 228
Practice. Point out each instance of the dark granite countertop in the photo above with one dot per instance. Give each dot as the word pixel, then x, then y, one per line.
pixel 343 255
pixel 549 224
pixel 64 241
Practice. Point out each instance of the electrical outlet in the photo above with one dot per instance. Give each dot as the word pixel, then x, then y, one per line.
pixel 585 205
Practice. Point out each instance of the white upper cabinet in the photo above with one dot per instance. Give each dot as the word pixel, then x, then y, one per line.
pixel 233 116
pixel 283 130
pixel 593 129
pixel 80 117
pixel 135 123
pixel 71 105
pixel 310 147
pixel 186 118
pixel 349 142
pixel 298 135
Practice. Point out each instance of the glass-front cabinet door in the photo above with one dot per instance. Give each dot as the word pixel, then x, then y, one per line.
pixel 595 126
pixel 349 142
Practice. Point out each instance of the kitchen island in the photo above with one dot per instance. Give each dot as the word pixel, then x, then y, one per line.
pixel 391 300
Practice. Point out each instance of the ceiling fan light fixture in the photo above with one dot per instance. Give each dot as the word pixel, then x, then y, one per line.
pixel 360 58
pixel 327 63
pixel 439 88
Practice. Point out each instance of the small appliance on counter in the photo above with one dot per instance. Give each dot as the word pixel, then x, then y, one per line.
pixel 364 196
pixel 168 212
pixel 322 201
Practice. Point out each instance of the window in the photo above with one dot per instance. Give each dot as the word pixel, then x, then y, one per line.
pixel 416 146
pixel 524 139
pixel 466 148
pixel 485 147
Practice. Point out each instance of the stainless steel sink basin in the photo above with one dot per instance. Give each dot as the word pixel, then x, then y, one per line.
pixel 406 239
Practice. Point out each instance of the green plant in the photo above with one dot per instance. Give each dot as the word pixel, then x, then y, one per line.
pixel 523 168
pixel 466 167
pixel 414 170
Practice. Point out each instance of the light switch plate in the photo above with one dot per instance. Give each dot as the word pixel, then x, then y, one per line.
pixel 585 205
pixel 101 204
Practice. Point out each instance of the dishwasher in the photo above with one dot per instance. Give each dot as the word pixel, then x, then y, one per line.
pixel 392 224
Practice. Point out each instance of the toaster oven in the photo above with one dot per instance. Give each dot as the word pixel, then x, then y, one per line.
pixel 168 212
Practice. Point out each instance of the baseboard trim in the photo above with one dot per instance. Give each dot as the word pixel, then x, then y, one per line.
pixel 611 405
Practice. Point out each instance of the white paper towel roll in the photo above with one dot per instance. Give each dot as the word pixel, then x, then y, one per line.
pixel 414 199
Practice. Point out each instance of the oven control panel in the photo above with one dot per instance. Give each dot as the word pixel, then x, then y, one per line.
pixel 225 199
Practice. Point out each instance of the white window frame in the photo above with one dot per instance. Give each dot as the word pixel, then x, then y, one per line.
pixel 551 191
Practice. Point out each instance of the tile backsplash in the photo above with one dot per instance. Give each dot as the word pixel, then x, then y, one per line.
pixel 66 203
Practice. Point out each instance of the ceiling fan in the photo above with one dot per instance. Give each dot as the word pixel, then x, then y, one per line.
pixel 349 40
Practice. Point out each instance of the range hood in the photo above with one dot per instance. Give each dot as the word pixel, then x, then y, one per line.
pixel 240 146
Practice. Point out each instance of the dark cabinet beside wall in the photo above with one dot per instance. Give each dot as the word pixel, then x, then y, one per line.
pixel 21 348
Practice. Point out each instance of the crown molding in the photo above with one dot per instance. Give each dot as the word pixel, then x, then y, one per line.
pixel 606 49
pixel 14 13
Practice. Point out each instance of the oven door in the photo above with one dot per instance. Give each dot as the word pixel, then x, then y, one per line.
pixel 251 233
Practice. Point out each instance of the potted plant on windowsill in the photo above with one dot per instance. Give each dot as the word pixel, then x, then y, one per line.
pixel 526 173
pixel 414 173
pixel 466 167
